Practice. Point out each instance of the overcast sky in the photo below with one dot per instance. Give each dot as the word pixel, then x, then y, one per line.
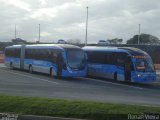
pixel 66 19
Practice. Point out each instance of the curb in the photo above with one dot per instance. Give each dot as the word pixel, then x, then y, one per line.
pixel 12 116
pixel 34 117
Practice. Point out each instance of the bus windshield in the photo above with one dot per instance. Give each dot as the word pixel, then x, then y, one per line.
pixel 144 64
pixel 76 59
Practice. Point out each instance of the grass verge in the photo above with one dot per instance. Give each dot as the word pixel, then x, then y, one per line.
pixel 70 108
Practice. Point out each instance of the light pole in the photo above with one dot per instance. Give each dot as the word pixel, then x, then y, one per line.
pixel 15 31
pixel 39 33
pixel 139 30
pixel 86 27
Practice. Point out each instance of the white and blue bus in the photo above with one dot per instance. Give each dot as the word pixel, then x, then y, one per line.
pixel 55 59
pixel 121 64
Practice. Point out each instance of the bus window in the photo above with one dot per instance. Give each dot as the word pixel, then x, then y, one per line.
pixel 76 58
pixel 111 58
pixel 13 52
pixel 121 58
pixel 100 59
pixel 144 65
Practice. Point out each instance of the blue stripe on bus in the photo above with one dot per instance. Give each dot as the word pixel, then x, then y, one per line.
pixel 105 69
pixel 42 63
pixel 11 59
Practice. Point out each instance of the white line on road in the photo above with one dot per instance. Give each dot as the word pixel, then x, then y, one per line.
pixel 135 87
pixel 30 76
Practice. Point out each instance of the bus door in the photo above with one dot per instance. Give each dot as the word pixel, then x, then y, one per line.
pixel 60 62
pixel 128 68
pixel 22 55
pixel 120 63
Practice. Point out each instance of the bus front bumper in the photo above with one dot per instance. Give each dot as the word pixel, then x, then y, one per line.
pixel 78 73
pixel 144 77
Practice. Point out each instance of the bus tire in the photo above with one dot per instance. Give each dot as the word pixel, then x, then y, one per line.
pixel 30 69
pixel 51 72
pixel 11 66
pixel 115 76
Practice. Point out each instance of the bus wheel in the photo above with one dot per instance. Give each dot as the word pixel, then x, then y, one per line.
pixel 115 76
pixel 30 69
pixel 11 66
pixel 51 72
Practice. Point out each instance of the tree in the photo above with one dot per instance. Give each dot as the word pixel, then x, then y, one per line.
pixel 18 40
pixel 115 41
pixel 74 41
pixel 144 39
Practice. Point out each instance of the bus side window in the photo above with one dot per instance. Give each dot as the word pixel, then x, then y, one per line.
pixel 27 54
pixel 121 58
pixel 32 53
pixel 90 56
pixel 11 52
pixel 6 52
pixel 17 52
pixel 112 58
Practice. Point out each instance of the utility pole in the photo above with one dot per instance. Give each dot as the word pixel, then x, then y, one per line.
pixel 39 33
pixel 86 27
pixel 15 31
pixel 139 31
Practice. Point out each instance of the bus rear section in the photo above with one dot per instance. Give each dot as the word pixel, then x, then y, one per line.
pixel 119 64
pixel 12 56
pixel 56 60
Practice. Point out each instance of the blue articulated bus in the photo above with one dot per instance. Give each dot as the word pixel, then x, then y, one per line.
pixel 55 59
pixel 120 63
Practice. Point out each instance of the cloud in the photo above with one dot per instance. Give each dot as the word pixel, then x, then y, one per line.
pixel 43 13
pixel 43 2
pixel 65 19
pixel 17 3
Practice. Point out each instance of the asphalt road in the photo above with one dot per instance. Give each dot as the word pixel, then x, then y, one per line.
pixel 22 83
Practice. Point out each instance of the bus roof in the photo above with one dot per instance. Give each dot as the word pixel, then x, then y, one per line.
pixel 56 46
pixel 130 50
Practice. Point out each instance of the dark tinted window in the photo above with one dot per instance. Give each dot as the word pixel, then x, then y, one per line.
pixel 114 58
pixel 96 57
pixel 41 54
pixel 121 58
pixel 102 57
pixel 12 52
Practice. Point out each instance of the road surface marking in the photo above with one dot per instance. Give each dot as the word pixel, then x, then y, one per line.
pixel 135 87
pixel 30 76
